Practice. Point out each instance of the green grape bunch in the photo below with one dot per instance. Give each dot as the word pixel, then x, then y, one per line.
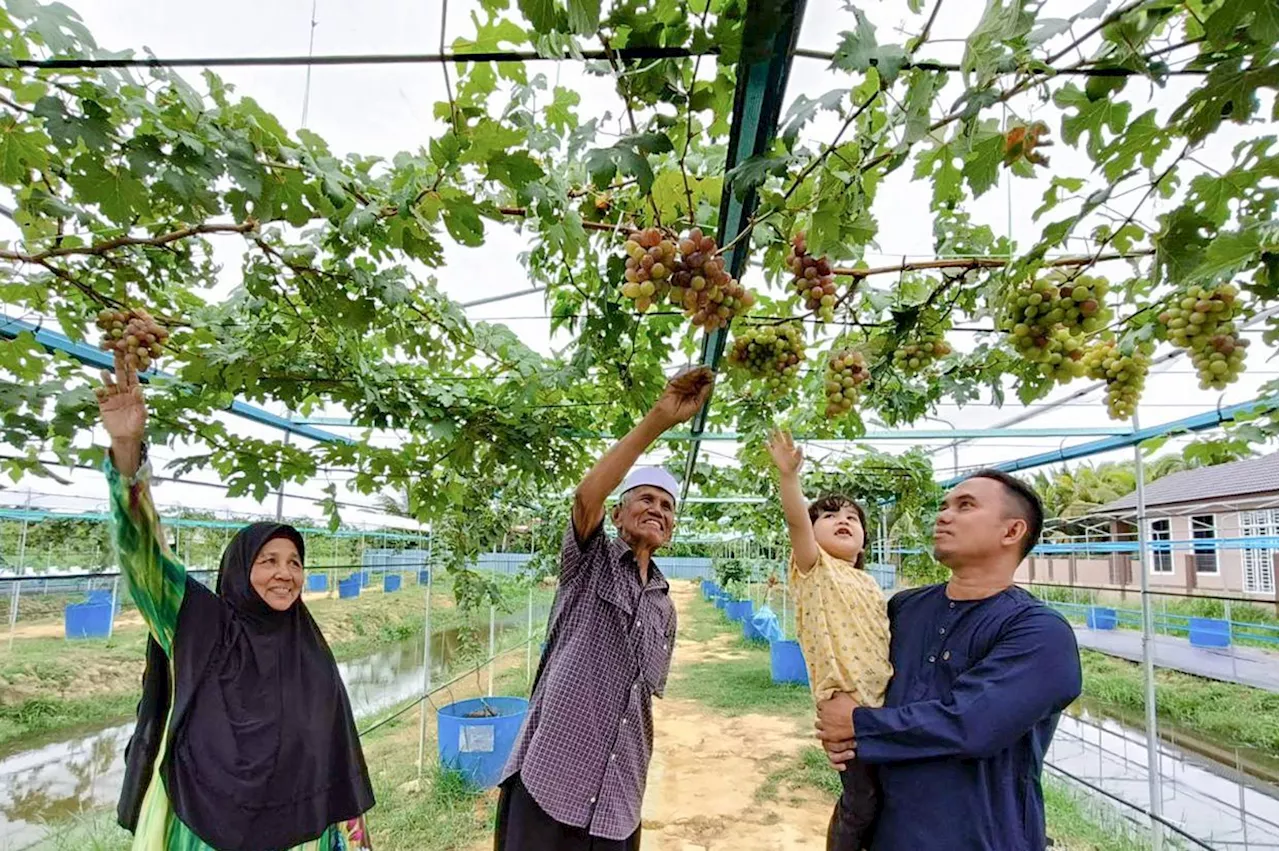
pixel 1049 318
pixel 813 281
pixel 846 373
pixel 702 288
pixel 1125 374
pixel 919 351
pixel 1201 320
pixel 650 264
pixel 134 334
pixel 771 354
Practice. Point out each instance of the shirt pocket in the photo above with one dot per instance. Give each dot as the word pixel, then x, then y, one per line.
pixel 657 642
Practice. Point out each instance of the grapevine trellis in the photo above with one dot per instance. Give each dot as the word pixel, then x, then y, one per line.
pixel 120 175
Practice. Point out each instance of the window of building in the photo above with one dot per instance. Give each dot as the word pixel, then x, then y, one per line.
pixel 1161 557
pixel 1204 527
pixel 1259 575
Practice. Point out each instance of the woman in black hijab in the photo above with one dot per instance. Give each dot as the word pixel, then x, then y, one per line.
pixel 245 739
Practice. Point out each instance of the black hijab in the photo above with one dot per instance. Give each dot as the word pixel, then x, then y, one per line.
pixel 244 771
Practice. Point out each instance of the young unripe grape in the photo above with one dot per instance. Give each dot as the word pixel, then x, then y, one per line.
pixel 846 372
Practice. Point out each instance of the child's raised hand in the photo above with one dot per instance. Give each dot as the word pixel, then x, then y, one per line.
pixel 787 457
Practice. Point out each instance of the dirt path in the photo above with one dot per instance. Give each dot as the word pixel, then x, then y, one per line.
pixel 707 769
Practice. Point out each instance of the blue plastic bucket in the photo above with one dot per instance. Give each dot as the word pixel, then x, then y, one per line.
pixel 318 582
pixel 364 578
pixel 478 747
pixel 1100 617
pixel 348 588
pixel 87 620
pixel 706 589
pixel 1210 632
pixel 721 601
pixel 786 663
pixel 424 577
pixel 739 610
pixel 391 582
pixel 749 631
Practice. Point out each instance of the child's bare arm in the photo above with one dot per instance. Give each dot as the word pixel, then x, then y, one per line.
pixel 788 457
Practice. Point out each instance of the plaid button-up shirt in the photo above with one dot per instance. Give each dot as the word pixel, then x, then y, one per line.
pixel 585 748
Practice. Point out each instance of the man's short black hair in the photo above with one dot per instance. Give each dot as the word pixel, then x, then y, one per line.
pixel 1022 502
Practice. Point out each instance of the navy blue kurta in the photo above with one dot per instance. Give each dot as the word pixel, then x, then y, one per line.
pixel 977 689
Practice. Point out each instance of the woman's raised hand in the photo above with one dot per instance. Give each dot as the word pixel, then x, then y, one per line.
pixel 124 414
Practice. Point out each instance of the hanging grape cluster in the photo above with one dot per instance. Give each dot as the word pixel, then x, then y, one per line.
pixel 770 353
pixel 846 373
pixel 813 279
pixel 1201 321
pixel 920 350
pixel 690 274
pixel 1125 374
pixel 702 287
pixel 1049 318
pixel 134 334
pixel 650 262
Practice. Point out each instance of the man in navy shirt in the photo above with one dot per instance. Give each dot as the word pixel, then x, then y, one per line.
pixel 982 671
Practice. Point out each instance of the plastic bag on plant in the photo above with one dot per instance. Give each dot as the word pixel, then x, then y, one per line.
pixel 765 623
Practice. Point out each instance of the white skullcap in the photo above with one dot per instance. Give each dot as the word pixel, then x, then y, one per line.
pixel 653 476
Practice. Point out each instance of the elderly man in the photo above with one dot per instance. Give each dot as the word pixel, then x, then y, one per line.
pixel 981 671
pixel 576 777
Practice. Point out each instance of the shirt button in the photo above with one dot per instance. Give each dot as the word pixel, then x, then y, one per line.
pixel 951 605
pixel 612 757
pixel 637 623
pixel 664 645
pixel 946 655
pixel 933 658
pixel 592 801
pixel 942 631
pixel 624 722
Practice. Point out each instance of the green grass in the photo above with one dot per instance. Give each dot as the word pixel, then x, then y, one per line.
pixel 1075 823
pixel 50 686
pixel 1223 713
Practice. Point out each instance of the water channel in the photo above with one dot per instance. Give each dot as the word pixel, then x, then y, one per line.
pixel 53 783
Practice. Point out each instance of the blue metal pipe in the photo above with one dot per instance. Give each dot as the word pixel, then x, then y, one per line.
pixel 1198 422
pixel 93 356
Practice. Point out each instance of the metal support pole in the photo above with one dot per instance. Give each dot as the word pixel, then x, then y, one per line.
pixel 17 585
pixel 426 667
pixel 115 589
pixel 528 646
pixel 493 636
pixel 1148 651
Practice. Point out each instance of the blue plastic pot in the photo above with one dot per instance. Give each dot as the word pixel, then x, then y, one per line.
pixel 87 620
pixel 349 588
pixel 1210 632
pixel 424 577
pixel 721 601
pixel 786 663
pixel 739 610
pixel 478 747
pixel 391 582
pixel 318 582
pixel 1100 617
pixel 750 633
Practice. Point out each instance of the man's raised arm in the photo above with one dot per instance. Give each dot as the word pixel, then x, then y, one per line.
pixel 684 395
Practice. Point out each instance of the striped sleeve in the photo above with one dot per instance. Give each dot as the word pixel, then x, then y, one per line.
pixel 155 579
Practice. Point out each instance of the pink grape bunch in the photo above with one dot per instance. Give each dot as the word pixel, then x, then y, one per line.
pixel 133 333
pixel 814 281
pixel 846 373
pixel 702 288
pixel 650 263
pixel 771 354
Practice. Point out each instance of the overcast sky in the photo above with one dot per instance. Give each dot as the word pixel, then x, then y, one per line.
pixel 385 109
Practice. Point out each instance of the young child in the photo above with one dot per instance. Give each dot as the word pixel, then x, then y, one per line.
pixel 841 622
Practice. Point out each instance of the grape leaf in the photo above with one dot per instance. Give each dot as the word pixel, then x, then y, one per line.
pixel 542 14
pixel 516 169
pixel 804 110
pixel 982 163
pixel 752 172
pixel 1094 117
pixel 584 16
pixel 117 193
pixel 1143 141
pixel 559 113
pixel 1227 93
pixel 21 149
pixel 859 51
